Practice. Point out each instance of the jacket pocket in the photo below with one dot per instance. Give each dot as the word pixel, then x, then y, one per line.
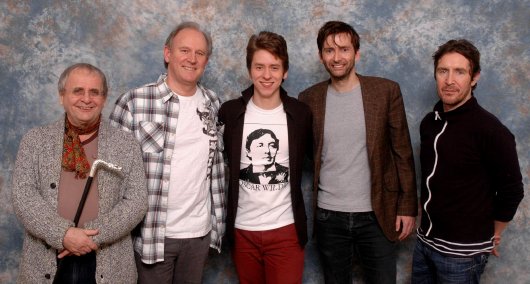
pixel 151 136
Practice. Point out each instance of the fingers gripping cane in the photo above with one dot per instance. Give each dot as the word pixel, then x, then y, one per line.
pixel 93 170
pixel 59 275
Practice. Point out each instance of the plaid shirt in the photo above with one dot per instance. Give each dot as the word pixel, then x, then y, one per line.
pixel 151 113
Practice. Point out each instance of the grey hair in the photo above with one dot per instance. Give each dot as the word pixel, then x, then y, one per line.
pixel 86 66
pixel 189 25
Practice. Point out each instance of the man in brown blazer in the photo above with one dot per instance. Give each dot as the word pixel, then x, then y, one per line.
pixel 364 189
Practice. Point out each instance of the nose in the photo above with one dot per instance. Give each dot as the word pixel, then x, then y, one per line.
pixel 336 56
pixel 86 97
pixel 193 57
pixel 266 73
pixel 450 78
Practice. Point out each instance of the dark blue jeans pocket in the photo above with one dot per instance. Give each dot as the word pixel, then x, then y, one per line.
pixel 322 214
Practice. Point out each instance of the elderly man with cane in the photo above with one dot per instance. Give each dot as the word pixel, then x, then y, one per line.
pixel 77 229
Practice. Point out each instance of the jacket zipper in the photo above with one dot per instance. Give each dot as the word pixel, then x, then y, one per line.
pixel 437 117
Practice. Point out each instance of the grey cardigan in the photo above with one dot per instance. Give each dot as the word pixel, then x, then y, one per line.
pixel 122 203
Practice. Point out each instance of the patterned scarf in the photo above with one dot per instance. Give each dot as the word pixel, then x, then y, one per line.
pixel 74 158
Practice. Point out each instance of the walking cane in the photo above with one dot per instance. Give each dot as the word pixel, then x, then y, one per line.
pixel 93 170
pixel 88 183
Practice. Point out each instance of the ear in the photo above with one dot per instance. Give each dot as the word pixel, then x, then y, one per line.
pixel 475 79
pixel 61 98
pixel 246 154
pixel 285 75
pixel 320 58
pixel 167 53
pixel 357 55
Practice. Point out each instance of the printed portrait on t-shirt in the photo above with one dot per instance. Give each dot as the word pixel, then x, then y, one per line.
pixel 261 148
pixel 264 201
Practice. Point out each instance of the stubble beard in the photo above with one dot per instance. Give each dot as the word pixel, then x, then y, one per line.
pixel 342 77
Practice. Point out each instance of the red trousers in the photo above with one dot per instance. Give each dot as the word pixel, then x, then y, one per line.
pixel 272 256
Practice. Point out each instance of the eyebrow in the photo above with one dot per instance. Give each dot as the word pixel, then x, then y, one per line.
pixel 448 68
pixel 264 64
pixel 76 89
pixel 180 47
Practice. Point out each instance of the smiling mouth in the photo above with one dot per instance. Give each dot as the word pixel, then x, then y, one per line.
pixel 338 67
pixel 85 107
pixel 189 68
pixel 267 84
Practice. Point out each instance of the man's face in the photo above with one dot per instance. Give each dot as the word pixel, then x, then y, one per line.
pixel 187 58
pixel 263 149
pixel 339 56
pixel 453 80
pixel 266 72
pixel 83 98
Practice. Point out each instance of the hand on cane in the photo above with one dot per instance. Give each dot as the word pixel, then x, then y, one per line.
pixel 78 241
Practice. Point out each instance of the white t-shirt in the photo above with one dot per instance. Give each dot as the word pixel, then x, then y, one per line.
pixel 264 189
pixel 188 212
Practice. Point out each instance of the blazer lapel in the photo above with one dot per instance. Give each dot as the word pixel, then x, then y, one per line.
pixel 369 96
pixel 320 93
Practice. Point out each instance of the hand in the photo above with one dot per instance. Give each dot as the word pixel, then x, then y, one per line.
pixel 496 243
pixel 499 228
pixel 409 223
pixel 64 253
pixel 78 241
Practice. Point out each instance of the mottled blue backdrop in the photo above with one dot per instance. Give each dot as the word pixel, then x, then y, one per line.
pixel 38 39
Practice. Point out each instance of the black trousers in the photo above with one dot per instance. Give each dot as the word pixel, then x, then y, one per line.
pixel 76 269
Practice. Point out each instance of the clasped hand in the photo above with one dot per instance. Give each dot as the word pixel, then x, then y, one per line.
pixel 78 241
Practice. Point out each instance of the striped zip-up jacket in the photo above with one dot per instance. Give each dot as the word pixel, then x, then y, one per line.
pixel 151 113
pixel 470 178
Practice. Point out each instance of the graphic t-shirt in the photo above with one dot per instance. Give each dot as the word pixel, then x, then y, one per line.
pixel 188 212
pixel 264 188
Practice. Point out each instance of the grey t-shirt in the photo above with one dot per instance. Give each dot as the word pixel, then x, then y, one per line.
pixel 345 183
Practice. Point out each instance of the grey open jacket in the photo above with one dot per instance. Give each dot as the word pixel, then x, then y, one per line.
pixel 122 203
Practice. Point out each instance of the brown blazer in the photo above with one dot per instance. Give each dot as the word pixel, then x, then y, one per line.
pixel 388 144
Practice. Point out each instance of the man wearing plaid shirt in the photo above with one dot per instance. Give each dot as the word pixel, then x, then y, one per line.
pixel 175 120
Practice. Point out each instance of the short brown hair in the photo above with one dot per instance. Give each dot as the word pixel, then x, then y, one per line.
pixel 334 28
pixel 271 42
pixel 462 47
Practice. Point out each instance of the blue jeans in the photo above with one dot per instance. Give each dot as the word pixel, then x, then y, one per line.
pixel 341 235
pixel 429 266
